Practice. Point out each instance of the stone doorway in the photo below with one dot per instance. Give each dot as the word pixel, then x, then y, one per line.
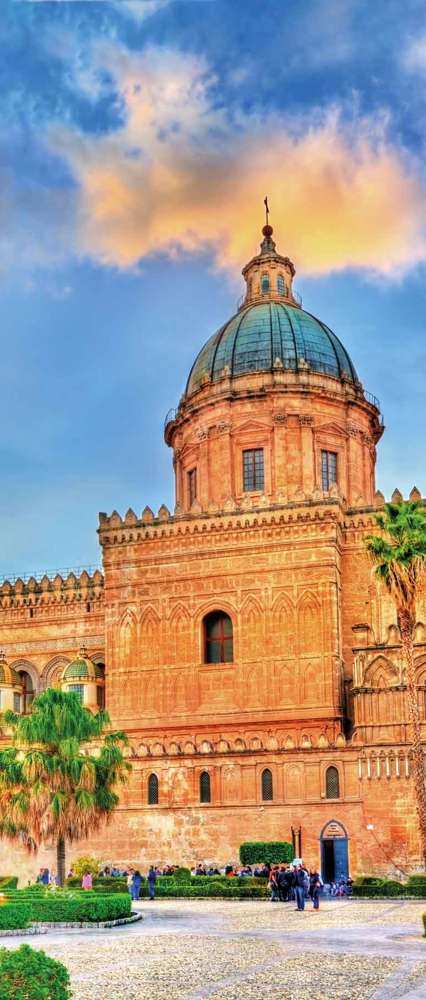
pixel 334 852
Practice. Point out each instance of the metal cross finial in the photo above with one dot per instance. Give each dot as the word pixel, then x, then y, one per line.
pixel 267 210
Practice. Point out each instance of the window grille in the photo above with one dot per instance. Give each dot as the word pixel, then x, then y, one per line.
pixel 280 285
pixel 153 790
pixel 267 786
pixel 253 470
pixel 264 284
pixel 27 691
pixel 16 702
pixel 332 784
pixel 328 469
pixel 205 789
pixel 78 689
pixel 218 638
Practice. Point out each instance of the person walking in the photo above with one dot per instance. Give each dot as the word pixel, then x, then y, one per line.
pixel 152 878
pixel 300 877
pixel 135 887
pixel 283 884
pixel 315 888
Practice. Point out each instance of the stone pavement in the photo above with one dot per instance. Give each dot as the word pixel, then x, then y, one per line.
pixel 230 950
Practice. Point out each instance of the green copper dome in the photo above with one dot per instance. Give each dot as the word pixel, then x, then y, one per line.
pixel 270 335
pixel 81 669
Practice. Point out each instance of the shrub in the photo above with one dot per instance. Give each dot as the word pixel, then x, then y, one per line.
pixel 182 875
pixel 14 916
pixel 8 882
pixel 85 864
pixel 66 907
pixel 424 924
pixel 368 880
pixel 417 889
pixel 394 888
pixel 107 885
pixel 274 852
pixel 370 887
pixel 27 974
pixel 200 888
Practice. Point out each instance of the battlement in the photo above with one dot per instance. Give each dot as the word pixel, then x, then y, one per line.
pixel 30 591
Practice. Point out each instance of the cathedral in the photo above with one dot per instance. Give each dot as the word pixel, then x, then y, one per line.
pixel 242 642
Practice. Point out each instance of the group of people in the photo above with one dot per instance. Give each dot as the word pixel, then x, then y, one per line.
pixel 295 882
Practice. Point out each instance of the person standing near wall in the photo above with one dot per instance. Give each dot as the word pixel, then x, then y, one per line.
pixel 152 878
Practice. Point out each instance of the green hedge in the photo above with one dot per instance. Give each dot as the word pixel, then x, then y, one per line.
pixel 365 888
pixel 14 916
pixel 424 924
pixel 8 882
pixel 27 974
pixel 64 907
pixel 107 885
pixel 200 888
pixel 272 852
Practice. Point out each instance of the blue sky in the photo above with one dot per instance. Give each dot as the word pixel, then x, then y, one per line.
pixel 138 140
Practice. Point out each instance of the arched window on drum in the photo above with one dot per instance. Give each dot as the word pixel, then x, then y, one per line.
pixel 280 285
pixel 332 783
pixel 264 284
pixel 267 785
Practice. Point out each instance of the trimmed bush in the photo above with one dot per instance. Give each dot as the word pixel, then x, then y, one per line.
pixel 201 888
pixel 27 974
pixel 366 887
pixel 8 882
pixel 272 852
pixel 182 875
pixel 107 885
pixel 424 924
pixel 14 916
pixel 90 907
pixel 369 880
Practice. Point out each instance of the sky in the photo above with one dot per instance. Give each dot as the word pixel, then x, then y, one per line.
pixel 138 139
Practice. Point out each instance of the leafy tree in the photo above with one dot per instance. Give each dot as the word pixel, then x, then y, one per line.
pixel 58 778
pixel 398 554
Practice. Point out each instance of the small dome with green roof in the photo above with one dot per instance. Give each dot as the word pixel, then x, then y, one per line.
pixel 8 676
pixel 82 668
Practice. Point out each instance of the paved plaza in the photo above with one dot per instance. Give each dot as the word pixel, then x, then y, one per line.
pixel 226 950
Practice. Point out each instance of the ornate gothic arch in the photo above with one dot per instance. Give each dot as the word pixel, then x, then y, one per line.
pixel 381 673
pixel 53 671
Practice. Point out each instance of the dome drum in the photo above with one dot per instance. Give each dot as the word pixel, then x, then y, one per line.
pixel 86 679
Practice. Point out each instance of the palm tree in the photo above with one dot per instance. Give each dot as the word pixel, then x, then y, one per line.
pixel 398 554
pixel 58 777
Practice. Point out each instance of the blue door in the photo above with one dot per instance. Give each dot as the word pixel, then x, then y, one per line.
pixel 341 869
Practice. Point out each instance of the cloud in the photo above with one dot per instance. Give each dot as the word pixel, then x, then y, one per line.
pixel 139 9
pixel 414 57
pixel 180 174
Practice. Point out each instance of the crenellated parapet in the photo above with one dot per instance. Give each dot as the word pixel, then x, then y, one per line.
pixel 71 590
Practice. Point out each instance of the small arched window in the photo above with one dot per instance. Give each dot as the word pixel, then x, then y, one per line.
pixel 264 284
pixel 205 787
pixel 280 285
pixel 267 786
pixel 218 638
pixel 332 783
pixel 153 790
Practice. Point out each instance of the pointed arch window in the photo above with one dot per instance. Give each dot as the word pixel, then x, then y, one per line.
pixel 264 284
pixel 267 785
pixel 218 638
pixel 153 790
pixel 205 787
pixel 280 285
pixel 332 783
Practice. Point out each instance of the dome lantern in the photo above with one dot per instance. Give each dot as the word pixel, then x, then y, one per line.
pixel 269 275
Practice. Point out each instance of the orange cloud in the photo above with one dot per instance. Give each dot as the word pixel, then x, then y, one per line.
pixel 181 174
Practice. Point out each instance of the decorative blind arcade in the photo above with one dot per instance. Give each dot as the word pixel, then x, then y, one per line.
pixel 253 470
